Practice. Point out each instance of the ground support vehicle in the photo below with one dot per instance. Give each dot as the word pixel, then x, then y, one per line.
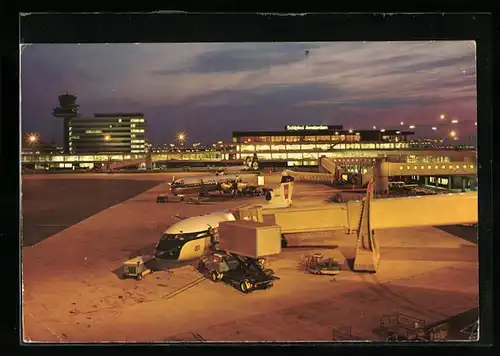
pixel 135 268
pixel 243 273
pixel 318 264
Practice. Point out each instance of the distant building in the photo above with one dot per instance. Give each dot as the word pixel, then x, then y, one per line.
pixel 104 133
pixel 50 148
pixel 107 133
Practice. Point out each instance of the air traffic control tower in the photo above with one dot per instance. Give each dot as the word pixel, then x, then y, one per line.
pixel 67 110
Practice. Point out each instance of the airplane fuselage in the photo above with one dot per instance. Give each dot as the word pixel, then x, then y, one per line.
pixel 188 190
pixel 202 184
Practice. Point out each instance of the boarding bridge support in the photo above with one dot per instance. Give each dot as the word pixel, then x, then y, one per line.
pixel 381 177
pixel 367 256
pixel 149 162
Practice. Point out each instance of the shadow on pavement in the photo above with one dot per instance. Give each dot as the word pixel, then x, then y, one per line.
pixel 53 205
pixel 467 233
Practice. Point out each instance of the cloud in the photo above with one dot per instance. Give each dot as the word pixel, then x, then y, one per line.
pixel 272 95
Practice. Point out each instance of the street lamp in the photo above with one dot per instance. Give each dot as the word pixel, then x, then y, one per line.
pixel 453 133
pixel 412 126
pixel 442 116
pixel 374 127
pixel 401 123
pixel 434 128
pixel 181 137
pixel 32 138
pixel 107 137
pixel 454 121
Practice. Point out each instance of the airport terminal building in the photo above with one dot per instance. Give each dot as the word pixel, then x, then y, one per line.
pixel 303 145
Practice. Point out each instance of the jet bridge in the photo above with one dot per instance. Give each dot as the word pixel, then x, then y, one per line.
pixel 369 215
pixel 426 210
pixel 312 177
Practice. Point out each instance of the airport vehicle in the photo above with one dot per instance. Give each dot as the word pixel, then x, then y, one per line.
pixel 403 327
pixel 135 268
pixel 318 264
pixel 168 199
pixel 191 237
pixel 241 272
pixel 251 190
pixel 396 185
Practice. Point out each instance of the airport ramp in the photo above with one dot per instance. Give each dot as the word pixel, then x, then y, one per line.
pixel 326 165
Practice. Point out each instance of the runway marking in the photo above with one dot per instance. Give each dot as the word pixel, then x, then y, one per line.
pixel 45 325
pixel 184 287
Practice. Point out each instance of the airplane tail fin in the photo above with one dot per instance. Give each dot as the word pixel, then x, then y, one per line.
pixel 281 197
pixel 173 180
pixel 252 162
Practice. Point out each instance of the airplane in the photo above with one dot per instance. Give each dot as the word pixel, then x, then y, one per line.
pixel 191 237
pixel 250 164
pixel 205 184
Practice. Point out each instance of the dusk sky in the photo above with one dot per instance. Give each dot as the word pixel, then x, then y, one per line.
pixel 209 90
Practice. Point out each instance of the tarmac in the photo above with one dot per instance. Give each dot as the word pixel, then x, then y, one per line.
pixel 72 292
pixel 44 200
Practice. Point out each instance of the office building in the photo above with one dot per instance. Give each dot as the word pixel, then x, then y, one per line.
pixel 107 133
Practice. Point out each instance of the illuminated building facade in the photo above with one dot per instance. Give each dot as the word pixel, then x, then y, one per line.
pixel 304 144
pixel 108 133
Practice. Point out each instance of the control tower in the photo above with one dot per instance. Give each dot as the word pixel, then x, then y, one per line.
pixel 67 110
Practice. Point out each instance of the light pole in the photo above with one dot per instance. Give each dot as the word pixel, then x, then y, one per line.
pixel 181 137
pixel 32 140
